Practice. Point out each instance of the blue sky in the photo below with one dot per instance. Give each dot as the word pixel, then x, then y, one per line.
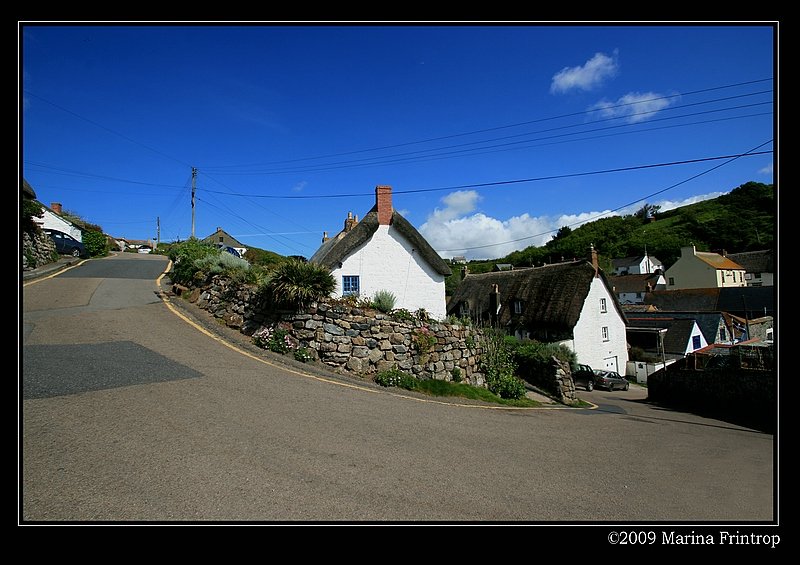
pixel 291 127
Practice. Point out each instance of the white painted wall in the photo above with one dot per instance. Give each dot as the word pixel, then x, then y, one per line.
pixel 387 261
pixel 53 221
pixel 695 332
pixel 588 342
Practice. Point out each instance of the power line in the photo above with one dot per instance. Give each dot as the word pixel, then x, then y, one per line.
pixel 498 183
pixel 382 160
pixel 122 135
pixel 71 172
pixel 677 184
pixel 495 128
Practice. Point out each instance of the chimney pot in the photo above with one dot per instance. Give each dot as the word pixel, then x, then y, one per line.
pixel 56 207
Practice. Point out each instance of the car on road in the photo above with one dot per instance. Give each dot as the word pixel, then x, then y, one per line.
pixel 583 375
pixel 66 244
pixel 610 380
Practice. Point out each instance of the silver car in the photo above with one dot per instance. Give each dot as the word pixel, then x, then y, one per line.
pixel 610 380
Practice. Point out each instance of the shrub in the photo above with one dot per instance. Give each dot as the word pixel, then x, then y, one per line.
pixel 456 374
pixel 221 263
pixel 534 360
pixel 424 339
pixel 396 377
pixel 296 284
pixel 30 210
pixel 384 301
pixel 401 315
pixel 302 354
pixel 279 341
pixel 507 386
pixel 96 243
pixel 499 367
pixel 183 257
pixel 262 257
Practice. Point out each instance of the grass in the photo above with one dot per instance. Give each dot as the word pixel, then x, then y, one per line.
pixel 435 387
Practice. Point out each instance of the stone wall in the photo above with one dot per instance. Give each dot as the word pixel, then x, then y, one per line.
pixel 747 396
pixel 37 250
pixel 355 340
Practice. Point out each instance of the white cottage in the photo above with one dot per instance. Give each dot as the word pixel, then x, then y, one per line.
pixel 568 303
pixel 384 251
pixel 52 220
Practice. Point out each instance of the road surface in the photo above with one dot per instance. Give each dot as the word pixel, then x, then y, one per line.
pixel 131 413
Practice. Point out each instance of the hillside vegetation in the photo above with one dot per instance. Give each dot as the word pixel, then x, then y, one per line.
pixel 742 220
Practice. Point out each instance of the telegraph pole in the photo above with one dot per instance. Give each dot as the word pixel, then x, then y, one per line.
pixel 158 231
pixel 194 187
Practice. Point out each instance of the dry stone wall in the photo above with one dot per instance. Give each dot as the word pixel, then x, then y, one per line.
pixel 37 250
pixel 349 339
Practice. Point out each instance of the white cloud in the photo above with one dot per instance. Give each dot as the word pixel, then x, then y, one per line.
pixel 299 186
pixel 405 212
pixel 634 106
pixel 587 76
pixel 766 170
pixel 453 230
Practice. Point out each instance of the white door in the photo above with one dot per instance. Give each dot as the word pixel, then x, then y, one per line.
pixel 611 364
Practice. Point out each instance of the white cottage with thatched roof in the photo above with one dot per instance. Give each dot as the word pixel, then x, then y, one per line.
pixel 569 303
pixel 384 251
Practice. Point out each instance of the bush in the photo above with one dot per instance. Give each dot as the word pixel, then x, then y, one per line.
pixel 401 315
pixel 183 257
pixel 384 301
pixel 221 263
pixel 534 360
pixel 262 257
pixel 296 284
pixel 456 374
pixel 302 354
pixel 30 210
pixel 507 386
pixel 498 365
pixel 396 377
pixel 96 243
pixel 424 339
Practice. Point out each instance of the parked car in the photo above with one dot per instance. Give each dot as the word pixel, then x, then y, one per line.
pixel 66 244
pixel 610 380
pixel 231 250
pixel 583 375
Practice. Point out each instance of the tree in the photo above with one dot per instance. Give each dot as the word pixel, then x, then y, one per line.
pixel 647 211
pixel 563 232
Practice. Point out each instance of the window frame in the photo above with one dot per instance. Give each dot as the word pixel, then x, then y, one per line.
pixel 347 281
pixel 603 306
pixel 604 334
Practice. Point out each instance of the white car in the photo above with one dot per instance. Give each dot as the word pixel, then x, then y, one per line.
pixel 145 250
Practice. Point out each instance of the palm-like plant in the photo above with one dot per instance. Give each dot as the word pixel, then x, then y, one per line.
pixel 295 283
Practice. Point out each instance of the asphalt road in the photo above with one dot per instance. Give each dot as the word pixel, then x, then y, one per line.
pixel 131 413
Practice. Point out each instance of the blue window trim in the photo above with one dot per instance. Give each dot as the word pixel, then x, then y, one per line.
pixel 347 285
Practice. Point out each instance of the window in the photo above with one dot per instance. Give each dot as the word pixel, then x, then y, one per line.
pixel 220 239
pixel 518 307
pixel 695 342
pixel 463 309
pixel 758 275
pixel 603 306
pixel 350 285
pixel 672 281
pixel 723 336
pixel 604 333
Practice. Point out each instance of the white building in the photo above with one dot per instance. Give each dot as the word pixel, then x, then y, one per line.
pixel 639 265
pixel 52 220
pixel 385 252
pixel 568 303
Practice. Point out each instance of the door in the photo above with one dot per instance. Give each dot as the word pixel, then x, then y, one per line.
pixel 611 364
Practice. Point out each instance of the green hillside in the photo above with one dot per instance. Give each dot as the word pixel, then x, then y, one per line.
pixel 742 220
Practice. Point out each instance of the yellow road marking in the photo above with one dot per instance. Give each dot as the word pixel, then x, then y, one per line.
pixel 64 270
pixel 218 339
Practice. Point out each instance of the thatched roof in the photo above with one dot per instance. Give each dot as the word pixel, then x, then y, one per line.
pixel 552 296
pixel 341 246
pixel 27 190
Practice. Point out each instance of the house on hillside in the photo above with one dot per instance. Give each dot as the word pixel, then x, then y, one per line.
pixel 759 268
pixel 459 260
pixel 700 269
pixel 630 289
pixel 221 238
pixel 638 265
pixel 569 303
pixel 52 219
pixel 384 251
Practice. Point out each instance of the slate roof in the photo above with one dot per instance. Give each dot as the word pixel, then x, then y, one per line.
pixel 728 299
pixel 679 332
pixel 552 295
pixel 631 283
pixel 228 239
pixel 708 322
pixel 339 247
pixel 754 261
pixel 631 261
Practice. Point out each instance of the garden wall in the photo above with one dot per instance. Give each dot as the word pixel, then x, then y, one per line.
pixel 37 250
pixel 356 340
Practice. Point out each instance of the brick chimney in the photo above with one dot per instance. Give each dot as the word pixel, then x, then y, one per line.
pixel 593 258
pixel 383 202
pixel 56 207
